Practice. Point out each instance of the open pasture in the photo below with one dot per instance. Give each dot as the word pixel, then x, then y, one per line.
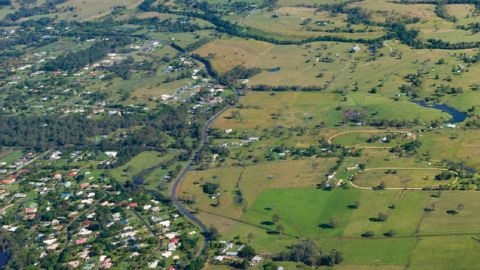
pixel 137 164
pixel 372 138
pixel 414 229
pixel 312 64
pixel 452 145
pixel 239 187
pixel 297 23
pixel 381 9
pixel 400 177
pixel 85 10
pixel 264 110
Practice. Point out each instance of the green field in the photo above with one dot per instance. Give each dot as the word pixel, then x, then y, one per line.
pixel 311 108
pixel 301 211
pixel 142 163
pixel 10 156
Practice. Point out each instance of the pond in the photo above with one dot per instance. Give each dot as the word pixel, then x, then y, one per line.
pixel 3 258
pixel 457 116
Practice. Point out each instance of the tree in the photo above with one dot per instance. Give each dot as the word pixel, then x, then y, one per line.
pixel 250 237
pixel 210 188
pixel 247 252
pixel 390 233
pixel 270 4
pixel 382 185
pixel 382 217
pixel 368 234
pixel 460 207
pixel 280 228
pixel 213 233
pixel 270 266
pixel 332 223
pixel 275 218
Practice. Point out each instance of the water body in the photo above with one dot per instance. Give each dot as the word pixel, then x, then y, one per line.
pixel 457 116
pixel 3 258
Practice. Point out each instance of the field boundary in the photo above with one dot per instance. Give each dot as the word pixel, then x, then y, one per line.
pixel 408 133
pixel 404 168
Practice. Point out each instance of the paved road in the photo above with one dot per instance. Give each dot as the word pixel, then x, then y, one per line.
pixel 179 180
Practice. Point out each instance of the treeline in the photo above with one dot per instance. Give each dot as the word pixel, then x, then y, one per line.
pixel 208 66
pixel 184 24
pixel 355 15
pixel 227 27
pixel 75 60
pixel 280 88
pixel 442 12
pixel 238 73
pixel 310 254
pixel 436 2
pixel 472 27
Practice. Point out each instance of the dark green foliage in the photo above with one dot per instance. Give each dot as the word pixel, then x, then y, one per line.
pixel 210 188
pixel 237 73
pixel 445 175
pixel 310 254
pixel 411 146
pixel 247 252
pixel 75 60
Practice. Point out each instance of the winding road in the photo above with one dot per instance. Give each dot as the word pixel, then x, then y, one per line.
pixel 179 180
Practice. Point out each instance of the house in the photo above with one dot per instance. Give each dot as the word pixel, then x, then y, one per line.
pixel 153 264
pixel 20 195
pixel 84 231
pixel 172 247
pixel 156 219
pixel 81 241
pixel 133 205
pixel 74 264
pixel 232 254
pixel 166 254
pixel 256 260
pixel 165 223
pixel 8 181
pixel 111 154
pixel 53 247
pixel 107 263
pixel 84 254
pixel 116 216
pixel 84 185
pixel 50 242
pixel 171 235
pixel 227 247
